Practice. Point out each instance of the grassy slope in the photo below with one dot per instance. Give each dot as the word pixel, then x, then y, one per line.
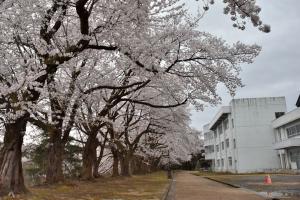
pixel 150 186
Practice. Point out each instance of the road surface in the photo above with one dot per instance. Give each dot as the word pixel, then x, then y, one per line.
pixel 190 187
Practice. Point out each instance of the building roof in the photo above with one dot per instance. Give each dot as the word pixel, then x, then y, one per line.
pixel 223 112
pixel 298 102
pixel 287 118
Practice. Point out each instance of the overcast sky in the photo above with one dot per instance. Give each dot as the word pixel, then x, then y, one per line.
pixel 276 71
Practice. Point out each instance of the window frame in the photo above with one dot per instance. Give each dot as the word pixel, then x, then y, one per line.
pixel 293 131
pixel 230 161
pixel 220 129
pixel 234 143
pixel 227 142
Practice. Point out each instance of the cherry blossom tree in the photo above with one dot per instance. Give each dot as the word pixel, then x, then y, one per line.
pixel 156 38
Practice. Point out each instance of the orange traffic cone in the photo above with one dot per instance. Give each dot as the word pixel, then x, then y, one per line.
pixel 268 180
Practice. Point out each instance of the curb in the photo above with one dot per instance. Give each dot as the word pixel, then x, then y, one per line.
pixel 225 183
pixel 167 192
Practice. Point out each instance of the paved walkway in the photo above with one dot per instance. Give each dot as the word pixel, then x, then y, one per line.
pixel 191 187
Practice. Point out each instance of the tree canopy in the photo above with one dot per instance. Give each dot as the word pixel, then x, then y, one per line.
pixel 114 78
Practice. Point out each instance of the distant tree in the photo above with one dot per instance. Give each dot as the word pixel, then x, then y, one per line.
pixel 72 158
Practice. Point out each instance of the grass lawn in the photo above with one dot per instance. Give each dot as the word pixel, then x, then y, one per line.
pixel 150 186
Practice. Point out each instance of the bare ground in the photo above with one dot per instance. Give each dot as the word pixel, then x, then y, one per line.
pixel 191 187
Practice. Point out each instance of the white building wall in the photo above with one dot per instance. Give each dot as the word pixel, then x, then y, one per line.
pixel 209 140
pixel 250 125
pixel 254 133
pixel 224 154
pixel 231 151
pixel 288 146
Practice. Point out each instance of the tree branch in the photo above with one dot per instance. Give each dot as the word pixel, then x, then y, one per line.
pixel 154 105
pixel 112 87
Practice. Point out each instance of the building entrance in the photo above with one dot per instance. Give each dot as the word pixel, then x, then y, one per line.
pixel 295 158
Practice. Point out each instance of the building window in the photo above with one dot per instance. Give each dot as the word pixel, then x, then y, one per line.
pixel 279 114
pixel 208 136
pixel 217 147
pixel 283 161
pixel 226 124
pixel 209 149
pixel 232 122
pixel 279 134
pixel 215 134
pixel 293 131
pixel 222 145
pixel 220 130
pixel 227 143
pixel 230 161
pixel 222 162
pixel 234 144
pixel 218 163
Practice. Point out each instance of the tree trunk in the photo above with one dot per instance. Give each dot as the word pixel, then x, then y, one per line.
pixel 96 165
pixel 97 160
pixel 11 171
pixel 139 166
pixel 88 158
pixel 126 165
pixel 136 166
pixel 95 170
pixel 115 171
pixel 54 172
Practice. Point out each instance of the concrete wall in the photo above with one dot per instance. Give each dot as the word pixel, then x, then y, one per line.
pixel 250 125
pixel 254 133
pixel 288 146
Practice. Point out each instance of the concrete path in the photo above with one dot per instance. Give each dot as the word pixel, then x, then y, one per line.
pixel 191 187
